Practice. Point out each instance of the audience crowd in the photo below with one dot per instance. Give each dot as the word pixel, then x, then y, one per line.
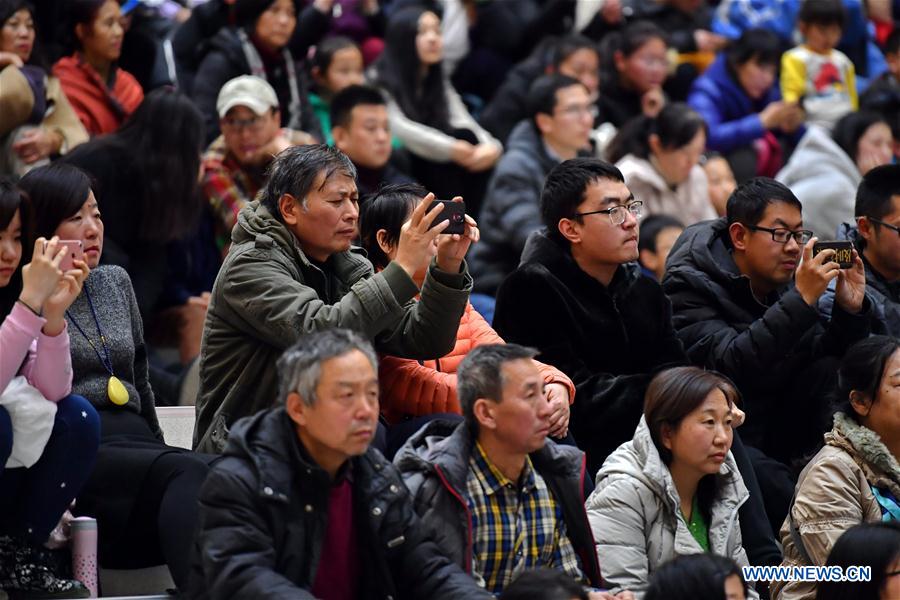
pixel 517 299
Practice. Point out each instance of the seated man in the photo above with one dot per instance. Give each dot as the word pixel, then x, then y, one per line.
pixel 234 166
pixel 579 298
pixel 558 129
pixel 301 507
pixel 291 271
pixel 361 130
pixel 877 237
pixel 520 493
pixel 744 304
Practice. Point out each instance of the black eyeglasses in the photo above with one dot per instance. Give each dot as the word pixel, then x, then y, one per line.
pixel 617 213
pixel 888 225
pixel 782 235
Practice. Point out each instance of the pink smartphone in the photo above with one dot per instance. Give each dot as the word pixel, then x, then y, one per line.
pixel 74 251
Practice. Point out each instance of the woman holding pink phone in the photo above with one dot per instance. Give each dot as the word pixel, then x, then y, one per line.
pixel 142 492
pixel 44 461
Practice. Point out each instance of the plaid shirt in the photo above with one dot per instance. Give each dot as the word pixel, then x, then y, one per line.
pixel 514 527
pixel 229 186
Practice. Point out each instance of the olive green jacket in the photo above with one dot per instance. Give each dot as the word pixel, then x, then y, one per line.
pixel 268 294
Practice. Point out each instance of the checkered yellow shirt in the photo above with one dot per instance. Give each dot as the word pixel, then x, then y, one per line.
pixel 514 527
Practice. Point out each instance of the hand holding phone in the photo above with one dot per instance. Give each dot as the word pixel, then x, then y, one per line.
pixel 843 252
pixel 74 251
pixel 454 212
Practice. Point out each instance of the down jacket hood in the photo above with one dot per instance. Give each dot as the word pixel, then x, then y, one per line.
pixel 867 450
pixel 640 460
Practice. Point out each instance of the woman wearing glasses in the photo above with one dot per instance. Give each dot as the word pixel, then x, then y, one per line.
pixel 826 168
pixel 659 157
pixel 855 478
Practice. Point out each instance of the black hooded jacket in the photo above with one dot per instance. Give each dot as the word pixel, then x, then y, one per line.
pixel 766 348
pixel 263 519
pixel 609 340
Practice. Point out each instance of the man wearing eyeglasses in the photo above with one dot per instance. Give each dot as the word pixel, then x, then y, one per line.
pixel 234 165
pixel 744 290
pixel 579 298
pixel 877 237
pixel 559 128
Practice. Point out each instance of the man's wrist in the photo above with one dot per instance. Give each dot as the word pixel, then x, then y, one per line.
pixel 449 265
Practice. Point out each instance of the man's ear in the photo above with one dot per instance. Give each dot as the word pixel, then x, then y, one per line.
pixel 738 234
pixel 866 229
pixel 649 259
pixel 80 31
pixel 484 411
pixel 655 144
pixel 544 122
pixel 289 208
pixel 339 134
pixel 296 408
pixel 570 230
pixel 619 60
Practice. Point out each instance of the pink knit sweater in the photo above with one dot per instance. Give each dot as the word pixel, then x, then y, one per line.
pixel 44 361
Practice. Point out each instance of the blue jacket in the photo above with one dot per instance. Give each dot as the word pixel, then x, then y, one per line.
pixel 731 115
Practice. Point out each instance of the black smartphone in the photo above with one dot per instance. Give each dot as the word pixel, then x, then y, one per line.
pixel 843 252
pixel 455 212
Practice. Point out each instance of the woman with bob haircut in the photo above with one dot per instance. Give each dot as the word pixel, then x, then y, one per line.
pixel 142 492
pixel 855 478
pixel 660 160
pixel 674 489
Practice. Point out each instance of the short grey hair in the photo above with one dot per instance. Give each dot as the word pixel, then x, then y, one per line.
pixel 300 367
pixel 295 170
pixel 480 375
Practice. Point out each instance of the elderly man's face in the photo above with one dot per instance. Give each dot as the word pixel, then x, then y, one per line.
pixel 343 419
pixel 248 135
pixel 328 222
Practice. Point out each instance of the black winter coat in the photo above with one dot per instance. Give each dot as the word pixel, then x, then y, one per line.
pixel 434 464
pixel 769 349
pixel 610 341
pixel 512 208
pixel 224 61
pixel 263 511
pixel 510 104
pixel 884 294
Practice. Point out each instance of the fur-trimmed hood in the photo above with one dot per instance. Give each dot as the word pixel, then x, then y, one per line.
pixel 867 450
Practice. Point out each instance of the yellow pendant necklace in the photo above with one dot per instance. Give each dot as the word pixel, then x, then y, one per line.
pixel 115 390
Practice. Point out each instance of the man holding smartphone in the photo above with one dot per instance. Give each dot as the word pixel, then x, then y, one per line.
pixel 291 271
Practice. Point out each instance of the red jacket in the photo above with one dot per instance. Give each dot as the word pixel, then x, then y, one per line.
pixel 415 388
pixel 100 108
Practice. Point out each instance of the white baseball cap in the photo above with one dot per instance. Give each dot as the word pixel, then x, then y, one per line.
pixel 247 90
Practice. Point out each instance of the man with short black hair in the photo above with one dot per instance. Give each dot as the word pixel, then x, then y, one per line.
pixel 744 290
pixel 291 270
pixel 301 507
pixel 579 298
pixel 562 116
pixel 501 496
pixel 876 236
pixel 361 130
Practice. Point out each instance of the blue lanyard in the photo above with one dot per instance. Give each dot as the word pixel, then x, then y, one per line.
pixel 107 364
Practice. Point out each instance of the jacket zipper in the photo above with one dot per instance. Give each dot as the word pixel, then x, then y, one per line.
pixel 455 494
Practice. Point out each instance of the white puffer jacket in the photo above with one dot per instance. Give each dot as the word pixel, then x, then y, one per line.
pixel 634 514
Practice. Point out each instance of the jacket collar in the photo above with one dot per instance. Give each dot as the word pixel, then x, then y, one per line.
pixel 867 449
pixel 447 446
pixel 541 249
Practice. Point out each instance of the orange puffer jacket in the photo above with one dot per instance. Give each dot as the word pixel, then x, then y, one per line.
pixel 415 388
